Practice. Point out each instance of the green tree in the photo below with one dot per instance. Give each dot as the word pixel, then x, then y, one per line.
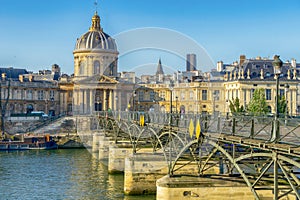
pixel 282 107
pixel 235 106
pixel 258 104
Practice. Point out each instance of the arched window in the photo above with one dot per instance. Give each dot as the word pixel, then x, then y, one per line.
pixel 81 68
pixel 96 67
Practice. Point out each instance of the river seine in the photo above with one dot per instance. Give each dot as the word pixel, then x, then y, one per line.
pixel 58 174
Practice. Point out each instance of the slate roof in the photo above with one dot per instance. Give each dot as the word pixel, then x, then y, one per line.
pixel 255 66
pixel 12 72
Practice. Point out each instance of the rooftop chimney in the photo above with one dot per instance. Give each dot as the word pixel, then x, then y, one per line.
pixel 242 59
pixel 31 78
pixel 21 78
pixel 3 76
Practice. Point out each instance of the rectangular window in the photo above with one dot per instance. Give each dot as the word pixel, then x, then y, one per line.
pixel 141 95
pixel 40 95
pixel 281 93
pixel 204 95
pixel 152 95
pixel 52 95
pixel 268 94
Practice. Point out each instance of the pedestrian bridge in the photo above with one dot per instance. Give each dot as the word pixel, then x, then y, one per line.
pixel 264 152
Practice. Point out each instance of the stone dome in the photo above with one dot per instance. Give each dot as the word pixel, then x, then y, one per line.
pixel 95 38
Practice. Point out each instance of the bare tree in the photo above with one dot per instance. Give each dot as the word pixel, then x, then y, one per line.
pixel 3 106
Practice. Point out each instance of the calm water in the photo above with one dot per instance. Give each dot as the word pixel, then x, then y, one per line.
pixel 58 174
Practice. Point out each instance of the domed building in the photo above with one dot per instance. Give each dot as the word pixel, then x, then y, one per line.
pixel 96 87
pixel 95 53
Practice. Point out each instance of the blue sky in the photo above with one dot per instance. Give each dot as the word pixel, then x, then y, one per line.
pixel 36 34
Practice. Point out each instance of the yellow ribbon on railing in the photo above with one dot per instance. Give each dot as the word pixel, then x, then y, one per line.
pixel 198 129
pixel 142 120
pixel 191 128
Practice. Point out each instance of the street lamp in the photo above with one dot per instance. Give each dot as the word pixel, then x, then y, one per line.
pixel 277 64
pixel 176 103
pixel 171 94
pixel 286 89
pixel 214 103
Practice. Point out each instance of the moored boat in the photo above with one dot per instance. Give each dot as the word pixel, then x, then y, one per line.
pixel 29 143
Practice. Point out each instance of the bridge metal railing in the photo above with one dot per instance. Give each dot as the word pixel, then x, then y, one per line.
pixel 244 126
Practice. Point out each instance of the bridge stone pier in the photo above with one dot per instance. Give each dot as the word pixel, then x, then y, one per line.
pixel 212 188
pixel 104 143
pixel 116 157
pixel 96 142
pixel 142 170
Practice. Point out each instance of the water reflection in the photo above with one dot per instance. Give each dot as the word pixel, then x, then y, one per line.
pixel 58 174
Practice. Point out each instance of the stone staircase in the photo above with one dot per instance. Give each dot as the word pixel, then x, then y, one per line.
pixel 61 125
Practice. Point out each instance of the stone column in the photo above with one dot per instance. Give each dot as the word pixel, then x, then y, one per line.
pixel 75 102
pixel 110 99
pixel 104 99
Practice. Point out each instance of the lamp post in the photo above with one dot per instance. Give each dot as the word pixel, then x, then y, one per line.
pixel 214 103
pixel 286 89
pixel 176 103
pixel 171 86
pixel 277 64
pixel 171 97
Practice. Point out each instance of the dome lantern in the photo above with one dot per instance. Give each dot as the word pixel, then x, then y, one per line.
pixel 96 23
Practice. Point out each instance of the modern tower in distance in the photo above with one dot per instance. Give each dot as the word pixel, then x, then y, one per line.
pixel 191 62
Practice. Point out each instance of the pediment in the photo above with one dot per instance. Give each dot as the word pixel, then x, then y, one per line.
pixel 106 79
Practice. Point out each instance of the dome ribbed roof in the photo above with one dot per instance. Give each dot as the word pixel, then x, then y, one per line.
pixel 95 38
